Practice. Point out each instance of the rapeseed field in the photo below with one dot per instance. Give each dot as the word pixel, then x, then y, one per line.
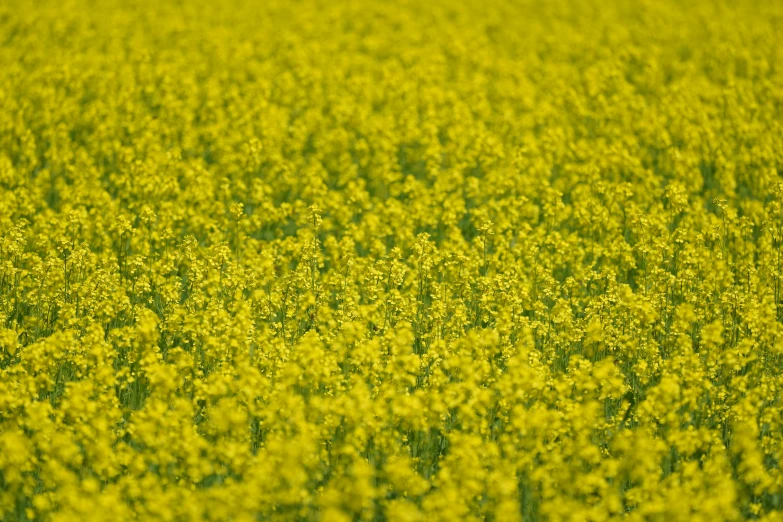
pixel 446 260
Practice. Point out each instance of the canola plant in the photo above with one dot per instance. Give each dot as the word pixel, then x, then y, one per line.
pixel 334 260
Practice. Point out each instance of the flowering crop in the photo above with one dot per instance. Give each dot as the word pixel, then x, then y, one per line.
pixel 391 261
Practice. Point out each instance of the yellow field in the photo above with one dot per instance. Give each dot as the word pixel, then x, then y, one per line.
pixel 330 260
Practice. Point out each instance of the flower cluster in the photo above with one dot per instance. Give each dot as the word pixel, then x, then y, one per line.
pixel 391 261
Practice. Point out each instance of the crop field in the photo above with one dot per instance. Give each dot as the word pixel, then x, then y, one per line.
pixel 442 260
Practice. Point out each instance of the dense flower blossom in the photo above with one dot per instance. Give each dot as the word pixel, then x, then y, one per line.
pixel 442 260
